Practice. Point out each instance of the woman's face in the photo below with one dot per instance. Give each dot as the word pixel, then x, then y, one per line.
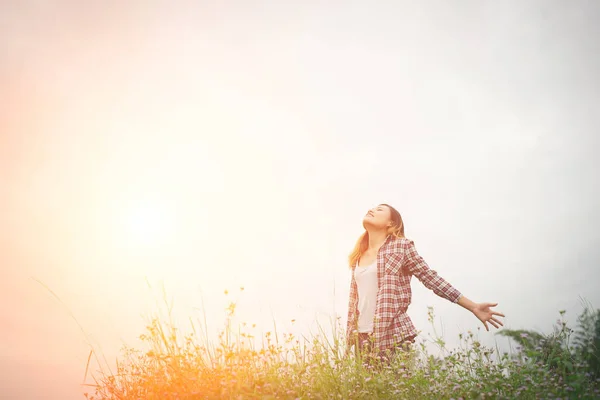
pixel 379 217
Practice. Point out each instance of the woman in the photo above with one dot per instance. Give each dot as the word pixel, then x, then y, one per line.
pixel 383 262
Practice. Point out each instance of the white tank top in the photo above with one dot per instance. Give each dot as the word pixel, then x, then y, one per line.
pixel 366 283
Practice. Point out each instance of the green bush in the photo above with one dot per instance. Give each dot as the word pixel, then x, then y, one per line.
pixel 569 355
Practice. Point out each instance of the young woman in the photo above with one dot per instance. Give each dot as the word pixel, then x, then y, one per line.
pixel 383 262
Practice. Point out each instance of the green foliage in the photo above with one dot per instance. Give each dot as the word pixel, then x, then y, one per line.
pixel 186 367
pixel 551 350
pixel 586 339
pixel 571 355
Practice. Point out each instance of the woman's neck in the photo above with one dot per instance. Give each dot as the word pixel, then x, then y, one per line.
pixel 376 239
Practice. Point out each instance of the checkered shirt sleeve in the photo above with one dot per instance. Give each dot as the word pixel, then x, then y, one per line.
pixel 430 278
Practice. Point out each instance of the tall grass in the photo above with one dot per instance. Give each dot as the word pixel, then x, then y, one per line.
pixel 178 366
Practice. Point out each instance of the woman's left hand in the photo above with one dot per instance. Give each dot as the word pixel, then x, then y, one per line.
pixel 484 312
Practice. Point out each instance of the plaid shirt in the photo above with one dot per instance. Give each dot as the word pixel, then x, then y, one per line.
pixel 397 262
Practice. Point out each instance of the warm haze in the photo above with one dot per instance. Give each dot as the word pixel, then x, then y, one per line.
pixel 210 147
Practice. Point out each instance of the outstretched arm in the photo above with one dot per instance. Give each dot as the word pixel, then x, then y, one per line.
pixel 429 278
pixel 419 268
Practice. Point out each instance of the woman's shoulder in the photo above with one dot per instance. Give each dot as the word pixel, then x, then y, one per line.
pixel 397 244
pixel 402 239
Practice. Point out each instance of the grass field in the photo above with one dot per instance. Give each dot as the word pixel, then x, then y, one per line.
pixel 560 365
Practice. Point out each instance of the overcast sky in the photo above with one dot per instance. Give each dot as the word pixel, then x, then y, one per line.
pixel 206 147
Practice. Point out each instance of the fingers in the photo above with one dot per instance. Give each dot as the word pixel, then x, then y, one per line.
pixel 496 324
pixel 486 326
pixel 498 314
pixel 491 304
pixel 497 321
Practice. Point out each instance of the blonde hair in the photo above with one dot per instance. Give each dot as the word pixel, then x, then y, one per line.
pixel 362 244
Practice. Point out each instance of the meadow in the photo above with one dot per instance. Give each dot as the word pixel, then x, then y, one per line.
pixel 562 364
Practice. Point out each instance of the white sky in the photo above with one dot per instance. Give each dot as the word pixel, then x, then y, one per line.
pixel 256 135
